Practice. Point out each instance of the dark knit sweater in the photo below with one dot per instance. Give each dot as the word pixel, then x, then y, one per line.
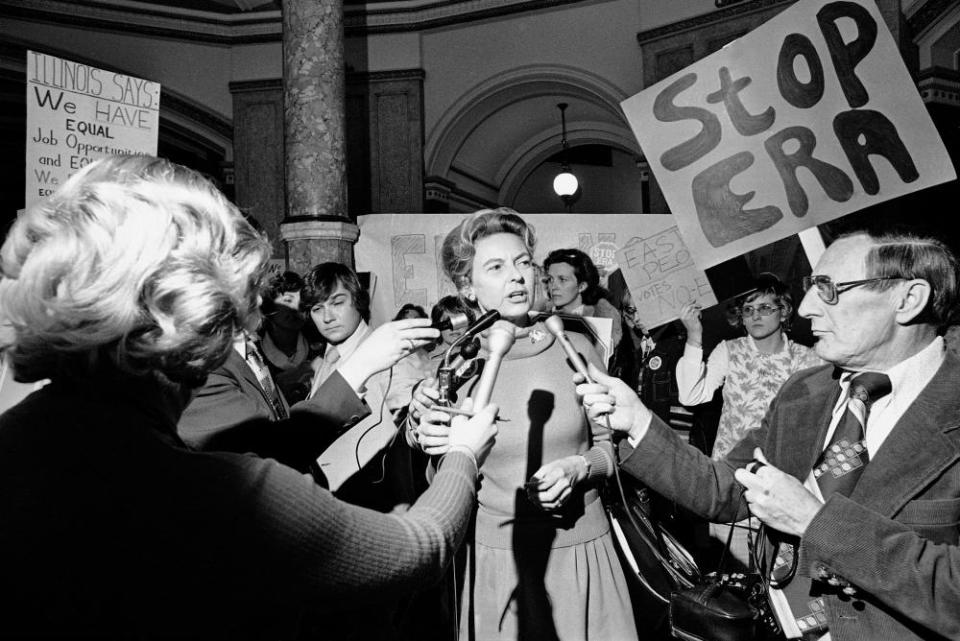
pixel 110 526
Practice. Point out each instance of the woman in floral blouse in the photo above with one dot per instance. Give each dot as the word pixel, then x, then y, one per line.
pixel 751 370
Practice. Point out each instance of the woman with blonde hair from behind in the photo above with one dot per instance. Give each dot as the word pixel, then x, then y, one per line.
pixel 125 288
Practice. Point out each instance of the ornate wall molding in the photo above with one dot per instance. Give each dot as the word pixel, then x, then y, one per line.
pixel 698 22
pixel 262 25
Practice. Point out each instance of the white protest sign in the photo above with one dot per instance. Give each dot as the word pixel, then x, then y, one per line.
pixel 809 117
pixel 77 113
pixel 403 250
pixel 662 277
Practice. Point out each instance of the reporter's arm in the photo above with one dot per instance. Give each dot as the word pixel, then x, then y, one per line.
pixel 599 458
pixel 346 550
pixel 656 455
pixel 384 347
pixel 336 404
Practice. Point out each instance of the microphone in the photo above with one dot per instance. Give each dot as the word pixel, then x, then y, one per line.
pixel 454 321
pixel 499 341
pixel 485 321
pixel 447 373
pixel 468 351
pixel 555 326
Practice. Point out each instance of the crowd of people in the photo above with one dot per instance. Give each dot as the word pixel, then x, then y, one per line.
pixel 220 454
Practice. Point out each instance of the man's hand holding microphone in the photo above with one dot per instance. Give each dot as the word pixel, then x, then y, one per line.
pixel 776 498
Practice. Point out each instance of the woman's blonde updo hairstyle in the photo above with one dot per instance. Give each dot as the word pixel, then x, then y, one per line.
pixel 135 260
pixel 459 247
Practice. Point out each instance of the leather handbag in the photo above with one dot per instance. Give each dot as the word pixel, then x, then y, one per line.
pixel 720 608
pixel 724 607
pixel 654 563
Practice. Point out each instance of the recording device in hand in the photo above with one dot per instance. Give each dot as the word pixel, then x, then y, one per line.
pixel 499 341
pixel 754 466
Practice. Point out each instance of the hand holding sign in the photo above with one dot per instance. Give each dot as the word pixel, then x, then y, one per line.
pixel 662 277
pixel 690 317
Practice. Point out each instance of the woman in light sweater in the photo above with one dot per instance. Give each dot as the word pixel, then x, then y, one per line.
pixel 542 564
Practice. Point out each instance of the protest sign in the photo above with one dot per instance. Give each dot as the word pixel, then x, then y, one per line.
pixel 77 113
pixel 404 249
pixel 809 117
pixel 662 277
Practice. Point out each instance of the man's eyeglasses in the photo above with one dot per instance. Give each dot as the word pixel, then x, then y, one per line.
pixel 829 291
pixel 630 310
pixel 764 309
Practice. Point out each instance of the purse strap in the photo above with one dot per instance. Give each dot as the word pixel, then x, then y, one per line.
pixel 750 538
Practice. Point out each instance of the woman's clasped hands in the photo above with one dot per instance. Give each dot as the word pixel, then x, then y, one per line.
pixel 551 485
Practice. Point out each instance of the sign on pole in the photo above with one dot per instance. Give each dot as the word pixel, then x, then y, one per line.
pixel 809 117
pixel 77 113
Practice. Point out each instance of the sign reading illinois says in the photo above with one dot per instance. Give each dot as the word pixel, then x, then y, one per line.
pixel 809 117
pixel 77 113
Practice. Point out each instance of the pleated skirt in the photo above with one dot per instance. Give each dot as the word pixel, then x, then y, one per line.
pixel 536 592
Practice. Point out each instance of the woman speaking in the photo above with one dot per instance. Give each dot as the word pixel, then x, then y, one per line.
pixel 542 564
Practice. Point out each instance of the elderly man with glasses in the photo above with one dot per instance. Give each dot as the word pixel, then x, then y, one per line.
pixel 855 468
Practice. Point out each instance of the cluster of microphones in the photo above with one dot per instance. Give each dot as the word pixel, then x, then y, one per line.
pixel 499 336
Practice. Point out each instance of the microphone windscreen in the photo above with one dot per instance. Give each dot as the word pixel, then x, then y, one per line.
pixel 500 339
pixel 555 326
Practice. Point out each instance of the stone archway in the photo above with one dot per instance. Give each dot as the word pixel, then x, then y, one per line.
pixel 492 137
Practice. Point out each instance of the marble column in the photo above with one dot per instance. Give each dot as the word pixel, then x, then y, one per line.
pixel 317 227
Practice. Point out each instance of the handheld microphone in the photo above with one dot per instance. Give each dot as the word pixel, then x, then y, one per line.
pixel 499 341
pixel 478 326
pixel 555 326
pixel 468 351
pixel 454 321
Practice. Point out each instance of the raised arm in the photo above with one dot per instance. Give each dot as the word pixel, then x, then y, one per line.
pixel 339 550
pixel 696 380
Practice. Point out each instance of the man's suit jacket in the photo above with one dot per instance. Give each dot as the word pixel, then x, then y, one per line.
pixel 894 539
pixel 231 412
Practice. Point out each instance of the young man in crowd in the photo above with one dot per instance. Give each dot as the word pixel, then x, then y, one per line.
pixel 339 306
pixel 240 408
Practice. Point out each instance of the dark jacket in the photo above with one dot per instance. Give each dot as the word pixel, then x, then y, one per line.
pixel 895 538
pixel 232 413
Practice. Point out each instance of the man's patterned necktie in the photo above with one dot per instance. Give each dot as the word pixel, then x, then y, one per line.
pixel 262 372
pixel 837 470
pixel 840 465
